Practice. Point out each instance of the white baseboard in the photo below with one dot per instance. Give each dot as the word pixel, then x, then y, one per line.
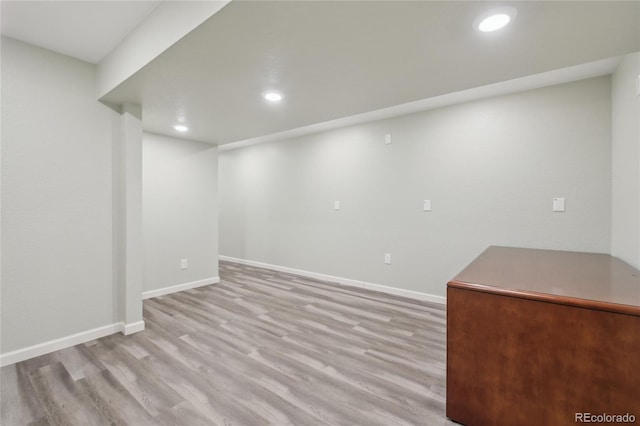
pixel 96 333
pixel 57 344
pixel 179 287
pixel 131 328
pixel 343 281
pixel 69 341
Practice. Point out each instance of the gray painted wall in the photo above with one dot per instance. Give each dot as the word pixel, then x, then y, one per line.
pixel 180 211
pixel 57 262
pixel 625 231
pixel 490 167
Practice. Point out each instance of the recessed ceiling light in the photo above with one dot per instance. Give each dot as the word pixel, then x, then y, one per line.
pixel 273 96
pixel 181 127
pixel 494 19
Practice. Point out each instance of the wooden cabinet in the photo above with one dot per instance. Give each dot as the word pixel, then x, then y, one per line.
pixel 535 337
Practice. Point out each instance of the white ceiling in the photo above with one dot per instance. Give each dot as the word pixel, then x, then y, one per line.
pixel 338 59
pixel 86 30
pixel 331 59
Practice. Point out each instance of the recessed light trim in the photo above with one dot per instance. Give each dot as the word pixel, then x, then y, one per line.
pixel 181 128
pixel 273 96
pixel 495 19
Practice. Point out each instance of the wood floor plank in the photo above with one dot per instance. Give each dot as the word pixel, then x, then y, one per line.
pixel 62 399
pixel 260 348
pixel 113 399
pixel 18 401
pixel 144 385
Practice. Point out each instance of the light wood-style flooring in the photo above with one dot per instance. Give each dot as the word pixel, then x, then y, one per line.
pixel 259 348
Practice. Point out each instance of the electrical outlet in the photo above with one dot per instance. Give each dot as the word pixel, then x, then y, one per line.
pixel 184 264
pixel 387 258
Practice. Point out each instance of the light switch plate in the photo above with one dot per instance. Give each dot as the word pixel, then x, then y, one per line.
pixel 426 206
pixel 387 139
pixel 336 205
pixel 558 204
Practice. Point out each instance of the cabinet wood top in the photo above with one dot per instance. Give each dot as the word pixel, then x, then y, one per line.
pixel 589 280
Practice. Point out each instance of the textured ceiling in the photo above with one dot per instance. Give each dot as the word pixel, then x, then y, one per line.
pixel 86 30
pixel 335 59
pixel 330 59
